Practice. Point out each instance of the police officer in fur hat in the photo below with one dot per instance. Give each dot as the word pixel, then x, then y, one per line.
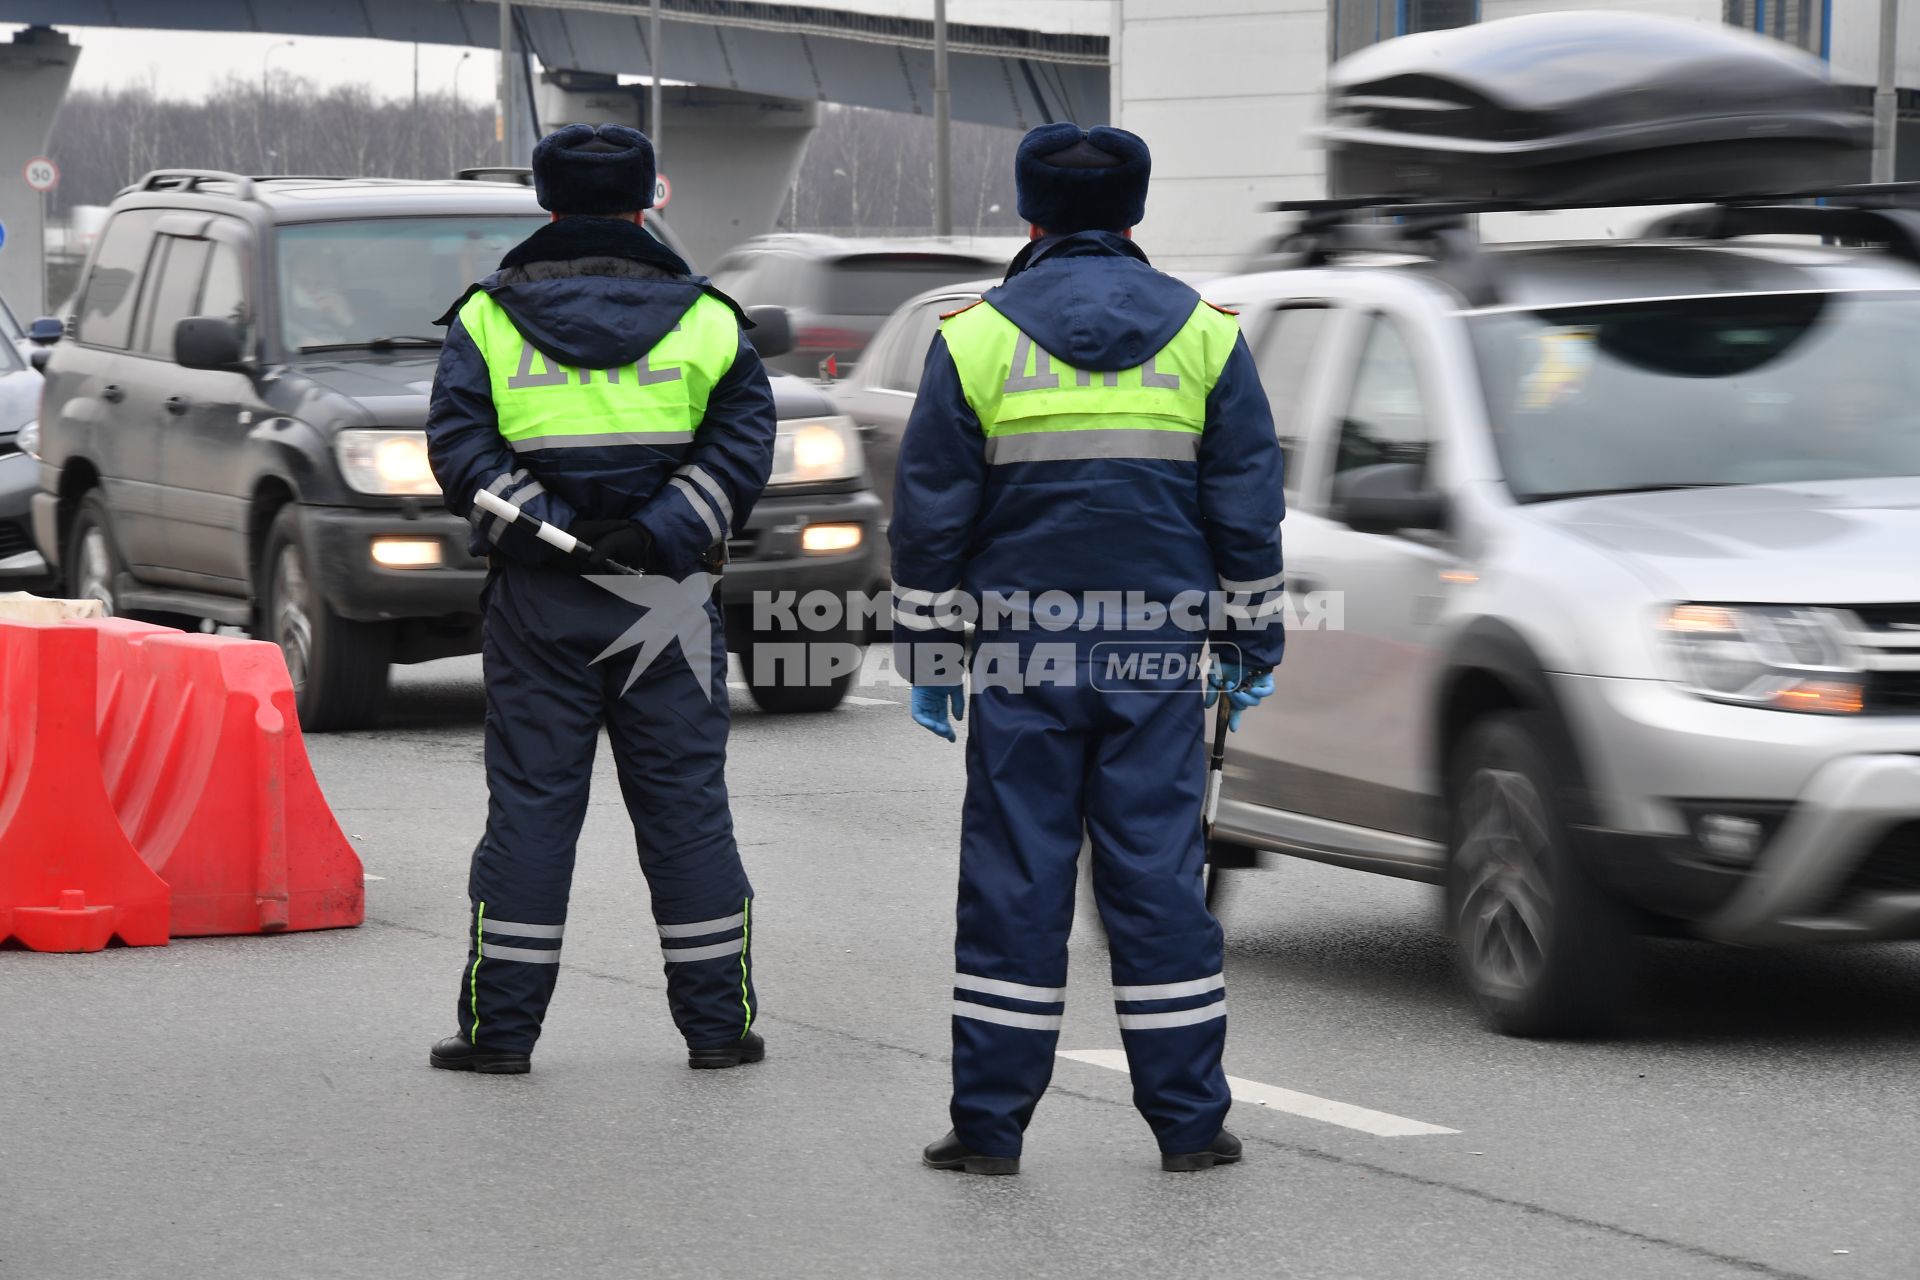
pixel 1091 431
pixel 596 384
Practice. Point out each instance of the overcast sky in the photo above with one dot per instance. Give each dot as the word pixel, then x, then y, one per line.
pixel 182 64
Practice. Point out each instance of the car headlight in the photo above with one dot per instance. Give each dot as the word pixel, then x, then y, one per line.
pixel 816 450
pixel 1790 658
pixel 29 439
pixel 393 463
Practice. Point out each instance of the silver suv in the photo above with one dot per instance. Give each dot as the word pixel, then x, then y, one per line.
pixel 1606 563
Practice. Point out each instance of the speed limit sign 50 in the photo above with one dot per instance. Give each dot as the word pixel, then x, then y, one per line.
pixel 42 174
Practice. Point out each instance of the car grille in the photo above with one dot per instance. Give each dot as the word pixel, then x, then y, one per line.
pixel 14 539
pixel 1892 866
pixel 1889 636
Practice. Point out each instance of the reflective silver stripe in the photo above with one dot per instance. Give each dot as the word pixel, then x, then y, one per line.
pixel 1254 613
pixel 501 483
pixel 525 955
pixel 1006 1017
pixel 527 493
pixel 684 955
pixel 1178 1018
pixel 1249 588
pixel 1171 990
pixel 721 502
pixel 917 622
pixel 926 599
pixel 699 505
pixel 1098 442
pixel 513 929
pixel 1018 990
pixel 700 928
pixel 600 440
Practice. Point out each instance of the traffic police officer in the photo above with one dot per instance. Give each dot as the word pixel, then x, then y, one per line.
pixel 1090 428
pixel 596 384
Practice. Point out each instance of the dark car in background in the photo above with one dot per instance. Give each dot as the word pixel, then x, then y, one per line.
pixel 233 431
pixel 839 291
pixel 20 564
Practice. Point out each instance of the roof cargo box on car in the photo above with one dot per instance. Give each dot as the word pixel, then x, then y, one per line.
pixel 1588 108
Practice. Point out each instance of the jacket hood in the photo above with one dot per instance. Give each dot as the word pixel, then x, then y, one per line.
pixel 1093 301
pixel 594 293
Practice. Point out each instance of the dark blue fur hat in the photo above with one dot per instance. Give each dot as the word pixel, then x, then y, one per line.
pixel 594 169
pixel 1069 179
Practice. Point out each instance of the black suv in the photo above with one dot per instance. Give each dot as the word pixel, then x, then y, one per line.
pixel 232 431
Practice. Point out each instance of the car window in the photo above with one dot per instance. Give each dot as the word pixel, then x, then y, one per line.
pixel 907 355
pixel 876 284
pixel 225 293
pixel 1290 346
pixel 1386 418
pixel 113 286
pixel 174 288
pixel 364 279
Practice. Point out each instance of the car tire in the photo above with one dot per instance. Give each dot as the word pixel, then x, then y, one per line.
pixel 94 565
pixel 1545 951
pixel 338 665
pixel 781 698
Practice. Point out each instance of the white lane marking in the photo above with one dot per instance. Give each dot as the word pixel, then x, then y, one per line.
pixel 368 875
pixel 1379 1123
pixel 858 701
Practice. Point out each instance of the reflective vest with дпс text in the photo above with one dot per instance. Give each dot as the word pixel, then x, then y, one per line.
pixel 658 400
pixel 1032 408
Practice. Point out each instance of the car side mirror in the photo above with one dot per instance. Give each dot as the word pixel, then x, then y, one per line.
pixel 1388 497
pixel 207 342
pixel 38 358
pixel 46 331
pixel 772 332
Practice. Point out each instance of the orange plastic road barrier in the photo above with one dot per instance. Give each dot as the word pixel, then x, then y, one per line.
pixel 70 880
pixel 201 753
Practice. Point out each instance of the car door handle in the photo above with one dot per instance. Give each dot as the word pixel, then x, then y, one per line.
pixel 1303 584
pixel 113 393
pixel 176 404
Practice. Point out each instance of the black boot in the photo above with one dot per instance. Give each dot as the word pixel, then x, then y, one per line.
pixel 748 1048
pixel 951 1153
pixel 455 1054
pixel 1224 1149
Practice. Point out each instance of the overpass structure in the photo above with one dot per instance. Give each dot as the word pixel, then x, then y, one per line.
pixel 747 79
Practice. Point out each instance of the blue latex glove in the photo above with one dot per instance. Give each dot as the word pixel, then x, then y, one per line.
pixel 930 703
pixel 1243 688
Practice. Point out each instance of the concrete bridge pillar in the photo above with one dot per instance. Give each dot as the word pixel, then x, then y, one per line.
pixel 35 67
pixel 731 157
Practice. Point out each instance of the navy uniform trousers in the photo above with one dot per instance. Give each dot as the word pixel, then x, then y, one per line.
pixel 1127 767
pixel 547 699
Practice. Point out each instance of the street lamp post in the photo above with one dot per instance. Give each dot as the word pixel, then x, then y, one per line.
pixel 942 126
pixel 266 89
pixel 1885 97
pixel 653 74
pixel 458 67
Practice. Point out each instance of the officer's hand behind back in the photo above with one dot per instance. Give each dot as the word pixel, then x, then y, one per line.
pixel 618 541
pixel 930 708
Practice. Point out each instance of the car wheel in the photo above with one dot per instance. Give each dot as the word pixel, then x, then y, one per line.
pixel 1545 951
pixel 338 666
pixel 786 697
pixel 93 560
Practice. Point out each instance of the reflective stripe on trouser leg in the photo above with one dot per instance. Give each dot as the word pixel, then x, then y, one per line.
pixel 543 708
pixel 669 736
pixel 1019 844
pixel 1143 817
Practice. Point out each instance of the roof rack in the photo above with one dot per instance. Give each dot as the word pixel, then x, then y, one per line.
pixel 1883 214
pixel 496 173
pixel 193 180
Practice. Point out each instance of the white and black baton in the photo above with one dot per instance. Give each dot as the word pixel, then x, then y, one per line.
pixel 494 504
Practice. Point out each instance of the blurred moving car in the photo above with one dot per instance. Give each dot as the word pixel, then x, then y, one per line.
pixel 21 566
pixel 1603 558
pixel 838 291
pixel 232 431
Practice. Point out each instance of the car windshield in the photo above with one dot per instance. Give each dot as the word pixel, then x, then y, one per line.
pixel 361 282
pixel 876 284
pixel 1691 392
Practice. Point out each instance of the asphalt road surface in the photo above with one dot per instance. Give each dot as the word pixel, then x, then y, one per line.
pixel 250 1107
